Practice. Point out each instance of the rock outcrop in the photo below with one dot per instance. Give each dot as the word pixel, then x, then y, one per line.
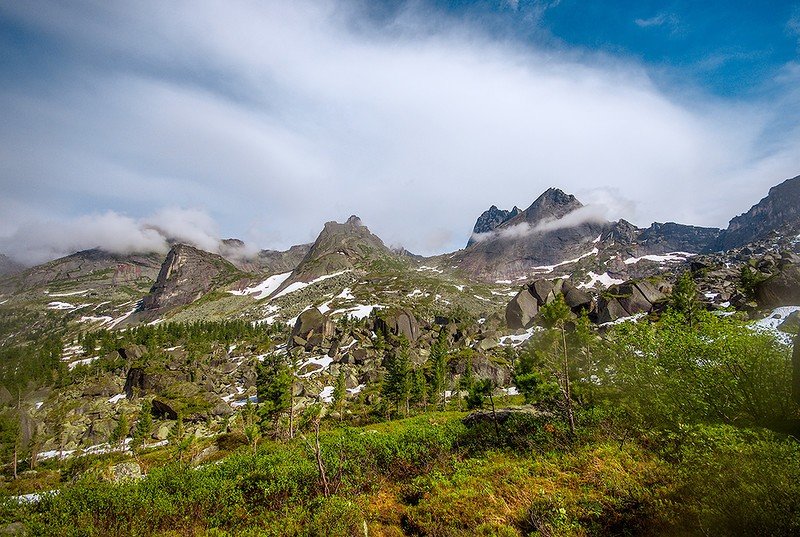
pixel 186 275
pixel 781 289
pixel 489 220
pixel 779 209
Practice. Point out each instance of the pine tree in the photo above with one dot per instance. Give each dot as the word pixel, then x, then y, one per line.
pixel 120 431
pixel 555 315
pixel 397 383
pixel 274 387
pixel 438 361
pixel 684 298
pixel 419 388
pixel 339 394
pixel 143 425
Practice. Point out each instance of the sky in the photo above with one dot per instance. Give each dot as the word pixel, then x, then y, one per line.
pixel 127 124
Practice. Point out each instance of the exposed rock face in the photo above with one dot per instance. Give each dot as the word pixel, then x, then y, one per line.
pixel 779 209
pixel 265 261
pixel 781 289
pixel 8 266
pixel 114 268
pixel 672 237
pixel 532 238
pixel 522 310
pixel 311 329
pixel 398 323
pixel 628 299
pixel 339 247
pixel 554 232
pixel 186 275
pixel 491 219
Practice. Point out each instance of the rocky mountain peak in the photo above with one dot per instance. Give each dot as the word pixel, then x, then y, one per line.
pixel 779 209
pixel 490 219
pixel 553 204
pixel 339 247
pixel 187 274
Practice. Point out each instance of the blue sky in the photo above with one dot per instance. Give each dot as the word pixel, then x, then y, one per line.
pixel 128 123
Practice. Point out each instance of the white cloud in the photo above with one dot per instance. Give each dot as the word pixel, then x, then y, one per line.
pixel 275 117
pixel 661 19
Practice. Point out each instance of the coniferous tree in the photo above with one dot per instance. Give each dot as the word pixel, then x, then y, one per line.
pixel 397 383
pixel 684 298
pixel 143 425
pixel 274 387
pixel 339 393
pixel 120 431
pixel 555 315
pixel 438 361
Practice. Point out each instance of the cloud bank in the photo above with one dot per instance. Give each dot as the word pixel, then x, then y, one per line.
pixel 275 117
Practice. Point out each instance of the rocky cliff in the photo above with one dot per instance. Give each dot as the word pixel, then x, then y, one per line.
pixel 186 275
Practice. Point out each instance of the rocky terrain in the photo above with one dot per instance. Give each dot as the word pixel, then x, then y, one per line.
pixel 346 304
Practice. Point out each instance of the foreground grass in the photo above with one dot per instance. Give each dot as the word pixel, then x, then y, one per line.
pixel 431 475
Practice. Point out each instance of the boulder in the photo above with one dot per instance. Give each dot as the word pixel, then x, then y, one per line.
pixel 163 410
pixel 781 289
pixel 609 309
pixel 521 311
pixel 124 471
pixel 311 324
pixel 575 298
pixel 398 323
pixel 542 291
pixel 631 299
pixel 650 292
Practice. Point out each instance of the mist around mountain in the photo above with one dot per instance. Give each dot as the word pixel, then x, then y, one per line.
pixel 562 374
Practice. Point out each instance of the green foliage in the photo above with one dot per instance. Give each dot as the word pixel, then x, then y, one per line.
pixel 684 298
pixel 274 388
pixel 143 425
pixel 478 392
pixel 397 383
pixel 120 431
pixel 749 279
pixel 438 369
pixel 339 392
pixel 717 371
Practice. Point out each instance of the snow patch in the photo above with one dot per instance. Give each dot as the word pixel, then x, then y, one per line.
pixel 357 389
pixel 326 395
pixel 603 279
pixel 423 268
pixel 60 306
pixel 516 340
pixel 296 286
pixel 322 361
pixel 265 288
pixel 772 321
pixel 117 398
pixel 550 268
pixel 360 311
pixel 673 257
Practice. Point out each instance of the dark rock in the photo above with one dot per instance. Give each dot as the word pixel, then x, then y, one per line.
pixel 542 291
pixel 576 299
pixel 397 323
pixel 522 309
pixel 312 328
pixel 650 292
pixel 163 411
pixel 780 208
pixel 609 309
pixel 490 219
pixel 631 299
pixel 186 275
pixel 781 289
